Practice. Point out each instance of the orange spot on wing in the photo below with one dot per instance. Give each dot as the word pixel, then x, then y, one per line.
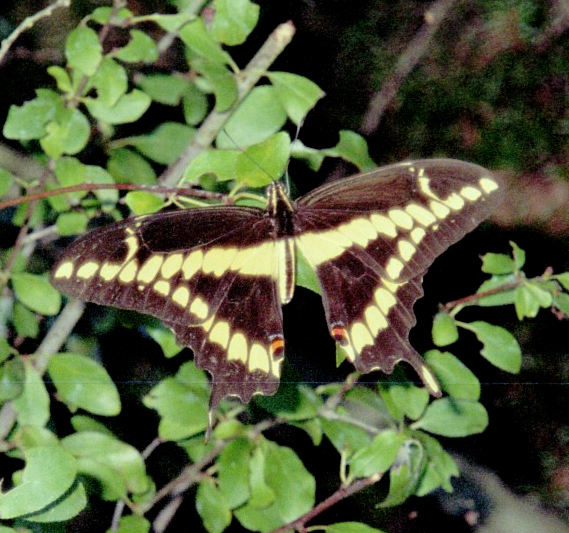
pixel 277 346
pixel 339 334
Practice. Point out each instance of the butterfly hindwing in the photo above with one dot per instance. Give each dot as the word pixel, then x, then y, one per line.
pixel 370 239
pixel 209 274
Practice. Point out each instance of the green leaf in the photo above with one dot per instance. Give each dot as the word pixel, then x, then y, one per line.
pixel 211 506
pixel 129 108
pixel 439 466
pixel 561 301
pixel 164 88
pixel 111 82
pixel 67 135
pixel 297 94
pixel 259 116
pixel 352 147
pixel 166 339
pixel 171 23
pixel 262 495
pixel 83 383
pixel 117 465
pixel 83 50
pixel 196 37
pixel 33 436
pixel 345 437
pixel 497 264
pixel 305 275
pixel 36 293
pixel 71 223
pixel 455 377
pixel 165 143
pixel 86 423
pixel 48 474
pixel 263 162
pixel 312 157
pixel 219 80
pixel 378 455
pixel 408 399
pixel 140 49
pixel 65 509
pixel 222 163
pixel 444 331
pixel 233 21
pixel 102 15
pixel 126 166
pixel 563 279
pixel 530 298
pixel 143 202
pixel 133 524
pixel 297 402
pixel 6 180
pixel 292 484
pixel 233 476
pixel 453 417
pixel 28 121
pixel 12 375
pixel 404 474
pixel 351 527
pixel 61 77
pixel 5 349
pixel 69 171
pixel 195 105
pixel 182 402
pixel 500 346
pixel 519 255
pixel 25 321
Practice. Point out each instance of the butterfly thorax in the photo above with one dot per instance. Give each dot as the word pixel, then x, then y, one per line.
pixel 281 211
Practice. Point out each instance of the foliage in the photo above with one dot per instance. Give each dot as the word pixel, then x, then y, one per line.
pixel 385 431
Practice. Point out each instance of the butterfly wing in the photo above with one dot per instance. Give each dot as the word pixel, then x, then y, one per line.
pixel 371 238
pixel 209 274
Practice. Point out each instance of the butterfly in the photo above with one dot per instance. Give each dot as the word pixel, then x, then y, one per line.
pixel 219 276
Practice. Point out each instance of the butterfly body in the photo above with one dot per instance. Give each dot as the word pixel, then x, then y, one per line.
pixel 218 276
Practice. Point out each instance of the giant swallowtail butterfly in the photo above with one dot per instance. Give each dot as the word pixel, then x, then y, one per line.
pixel 218 276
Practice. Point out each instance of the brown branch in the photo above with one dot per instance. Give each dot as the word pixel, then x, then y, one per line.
pixel 333 499
pixel 418 46
pixel 188 477
pixel 196 193
pixel 472 299
pixel 246 80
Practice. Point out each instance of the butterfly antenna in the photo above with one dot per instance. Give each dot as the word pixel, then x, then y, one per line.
pixel 256 163
pixel 286 174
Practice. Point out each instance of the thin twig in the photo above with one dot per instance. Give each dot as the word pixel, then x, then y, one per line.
pixel 247 79
pixel 197 193
pixel 166 41
pixel 188 477
pixel 407 61
pixel 58 333
pixel 28 23
pixel 333 499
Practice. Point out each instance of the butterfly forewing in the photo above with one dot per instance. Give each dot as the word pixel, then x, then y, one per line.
pixel 218 276
pixel 209 274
